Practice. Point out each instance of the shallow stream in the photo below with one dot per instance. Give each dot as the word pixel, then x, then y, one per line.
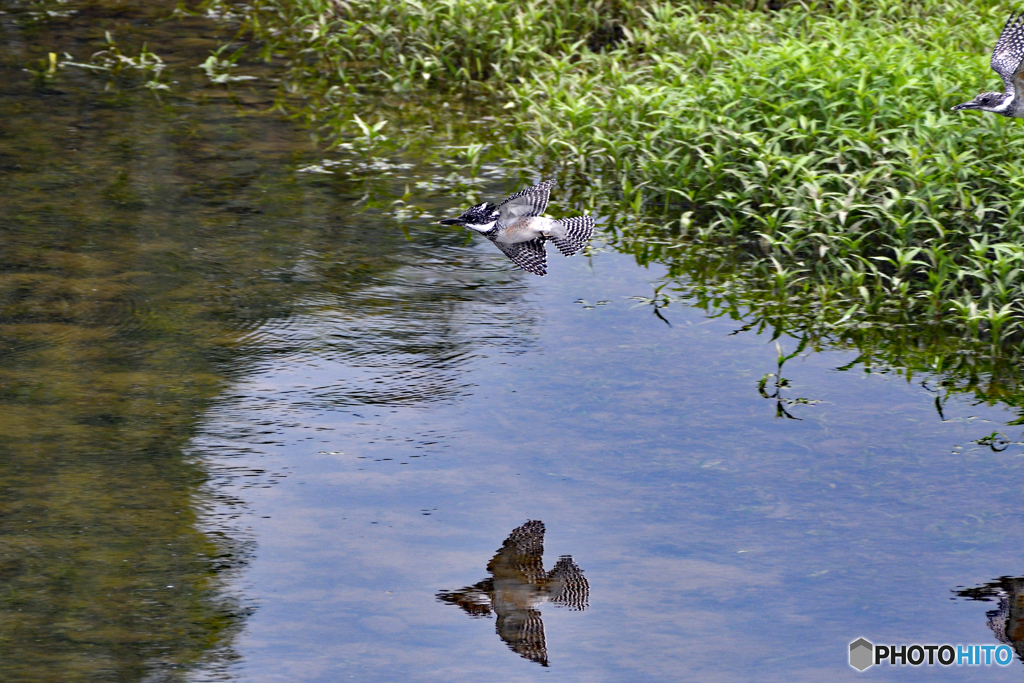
pixel 253 430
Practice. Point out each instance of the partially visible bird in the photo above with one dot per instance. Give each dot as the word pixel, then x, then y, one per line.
pixel 1007 61
pixel 1007 621
pixel 518 229
pixel 518 585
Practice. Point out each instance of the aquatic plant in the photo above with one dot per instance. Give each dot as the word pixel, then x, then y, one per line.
pixel 405 45
pixel 112 61
pixel 820 141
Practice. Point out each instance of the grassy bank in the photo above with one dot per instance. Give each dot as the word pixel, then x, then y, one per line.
pixel 794 165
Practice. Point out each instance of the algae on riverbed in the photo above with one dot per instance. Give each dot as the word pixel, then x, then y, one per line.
pixel 147 235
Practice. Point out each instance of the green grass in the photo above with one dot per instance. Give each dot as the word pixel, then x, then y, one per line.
pixel 825 140
pixel 405 45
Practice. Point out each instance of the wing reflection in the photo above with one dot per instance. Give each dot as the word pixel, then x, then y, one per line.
pixel 518 585
pixel 1006 621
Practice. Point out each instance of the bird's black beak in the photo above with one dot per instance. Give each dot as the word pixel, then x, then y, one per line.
pixel 965 105
pixel 449 221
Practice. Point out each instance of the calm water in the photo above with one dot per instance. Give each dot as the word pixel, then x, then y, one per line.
pixel 253 431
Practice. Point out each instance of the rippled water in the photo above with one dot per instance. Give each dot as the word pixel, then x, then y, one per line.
pixel 719 542
pixel 253 431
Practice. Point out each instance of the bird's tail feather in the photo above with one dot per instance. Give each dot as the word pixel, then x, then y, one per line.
pixel 577 232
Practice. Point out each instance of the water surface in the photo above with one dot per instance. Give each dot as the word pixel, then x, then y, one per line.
pixel 718 540
pixel 254 430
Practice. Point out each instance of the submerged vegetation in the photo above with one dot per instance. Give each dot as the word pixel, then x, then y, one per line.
pixel 795 164
pixel 150 250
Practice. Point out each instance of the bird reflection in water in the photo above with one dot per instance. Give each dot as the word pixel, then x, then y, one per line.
pixel 518 585
pixel 1006 621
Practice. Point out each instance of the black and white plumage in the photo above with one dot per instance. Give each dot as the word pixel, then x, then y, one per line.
pixel 518 229
pixel 518 585
pixel 1007 61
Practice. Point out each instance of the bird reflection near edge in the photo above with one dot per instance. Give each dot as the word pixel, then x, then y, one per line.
pixel 518 585
pixel 1006 621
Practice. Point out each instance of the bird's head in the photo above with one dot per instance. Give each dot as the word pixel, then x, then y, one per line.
pixel 986 101
pixel 481 217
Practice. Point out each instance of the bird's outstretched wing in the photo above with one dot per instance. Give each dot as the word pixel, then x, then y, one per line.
pixel 523 632
pixel 578 231
pixel 567 585
pixel 525 204
pixel 530 256
pixel 521 555
pixel 1008 55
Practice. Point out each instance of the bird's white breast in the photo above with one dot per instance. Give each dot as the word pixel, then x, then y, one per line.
pixel 526 229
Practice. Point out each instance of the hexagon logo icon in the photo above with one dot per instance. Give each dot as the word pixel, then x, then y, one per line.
pixel 862 654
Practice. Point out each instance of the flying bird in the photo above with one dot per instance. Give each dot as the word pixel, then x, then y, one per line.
pixel 517 227
pixel 1007 60
pixel 518 585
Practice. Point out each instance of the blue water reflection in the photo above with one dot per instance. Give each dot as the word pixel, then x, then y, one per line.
pixel 719 541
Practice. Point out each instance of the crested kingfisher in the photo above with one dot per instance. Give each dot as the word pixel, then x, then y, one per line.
pixel 518 229
pixel 1007 60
